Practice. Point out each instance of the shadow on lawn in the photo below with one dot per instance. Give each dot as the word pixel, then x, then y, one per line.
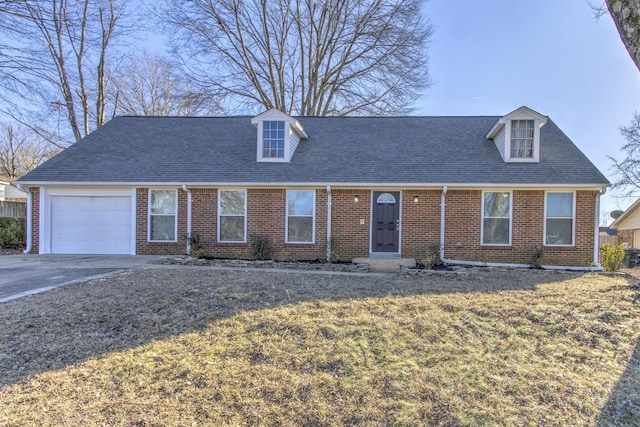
pixel 66 326
pixel 623 406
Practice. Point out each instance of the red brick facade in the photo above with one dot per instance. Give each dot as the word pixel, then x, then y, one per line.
pixel 351 225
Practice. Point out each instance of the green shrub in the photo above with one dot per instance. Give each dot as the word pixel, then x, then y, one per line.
pixel 260 248
pixel 612 256
pixel 12 234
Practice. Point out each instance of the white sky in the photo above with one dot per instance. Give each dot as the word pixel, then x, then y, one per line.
pixel 490 57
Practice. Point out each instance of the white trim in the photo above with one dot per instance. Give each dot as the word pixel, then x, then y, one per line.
pixel 175 231
pixel 286 157
pixel 313 224
pixel 44 234
pixel 482 218
pixel 383 190
pixel 573 224
pixel 242 190
pixel 45 210
pixel 134 210
pixel 517 114
pixel 536 143
pixel 323 184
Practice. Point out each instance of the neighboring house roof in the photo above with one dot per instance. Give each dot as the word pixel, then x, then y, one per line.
pixel 339 150
pixel 628 215
pixel 608 231
pixel 8 191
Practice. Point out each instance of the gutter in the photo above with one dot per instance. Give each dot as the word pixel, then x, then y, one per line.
pixel 316 184
pixel 596 230
pixel 498 264
pixel 188 191
pixel 29 219
pixel 329 206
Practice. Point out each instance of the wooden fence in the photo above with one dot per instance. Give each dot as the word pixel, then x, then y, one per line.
pixel 612 240
pixel 13 209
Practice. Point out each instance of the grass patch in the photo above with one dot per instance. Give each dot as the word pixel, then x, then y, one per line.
pixel 197 347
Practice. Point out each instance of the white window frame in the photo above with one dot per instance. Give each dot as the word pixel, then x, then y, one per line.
pixel 149 214
pixel 508 141
pixel 573 218
pixel 241 190
pixel 482 218
pixel 313 221
pixel 287 136
pixel 284 140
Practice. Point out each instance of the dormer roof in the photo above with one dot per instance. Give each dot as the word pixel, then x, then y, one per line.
pixel 522 113
pixel 277 115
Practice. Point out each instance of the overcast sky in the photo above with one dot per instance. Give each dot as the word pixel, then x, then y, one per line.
pixel 490 57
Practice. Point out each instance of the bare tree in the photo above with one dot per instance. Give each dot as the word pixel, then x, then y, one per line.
pixel 627 169
pixel 59 49
pixel 306 57
pixel 626 15
pixel 149 85
pixel 21 150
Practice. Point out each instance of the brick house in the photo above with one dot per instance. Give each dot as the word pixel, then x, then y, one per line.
pixel 484 189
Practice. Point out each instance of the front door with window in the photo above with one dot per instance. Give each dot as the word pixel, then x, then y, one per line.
pixel 385 224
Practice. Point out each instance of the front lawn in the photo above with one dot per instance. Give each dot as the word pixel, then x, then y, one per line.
pixel 203 347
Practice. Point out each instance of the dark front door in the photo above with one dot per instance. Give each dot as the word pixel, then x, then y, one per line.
pixel 385 223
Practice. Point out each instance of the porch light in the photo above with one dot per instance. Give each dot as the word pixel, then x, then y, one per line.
pixel 356 199
pixel 416 199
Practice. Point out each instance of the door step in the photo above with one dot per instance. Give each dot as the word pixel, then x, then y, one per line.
pixel 385 265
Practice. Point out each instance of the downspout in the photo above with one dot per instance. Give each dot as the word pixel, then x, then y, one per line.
pixel 596 230
pixel 329 223
pixel 491 264
pixel 28 220
pixel 188 191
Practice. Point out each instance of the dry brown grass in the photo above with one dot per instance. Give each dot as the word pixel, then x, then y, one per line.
pixel 203 347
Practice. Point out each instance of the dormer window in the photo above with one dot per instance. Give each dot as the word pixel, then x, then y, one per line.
pixel 517 135
pixel 278 136
pixel 273 139
pixel 522 139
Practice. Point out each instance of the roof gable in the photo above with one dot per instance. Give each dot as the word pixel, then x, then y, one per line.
pixel 522 113
pixel 631 215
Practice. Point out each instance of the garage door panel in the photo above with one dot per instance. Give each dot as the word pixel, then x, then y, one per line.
pixel 91 224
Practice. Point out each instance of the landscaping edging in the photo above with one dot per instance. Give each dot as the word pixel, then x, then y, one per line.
pixel 240 263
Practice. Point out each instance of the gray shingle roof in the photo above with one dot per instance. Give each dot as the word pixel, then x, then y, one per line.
pixel 394 150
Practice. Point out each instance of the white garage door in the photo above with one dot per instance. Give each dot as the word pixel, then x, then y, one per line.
pixel 91 225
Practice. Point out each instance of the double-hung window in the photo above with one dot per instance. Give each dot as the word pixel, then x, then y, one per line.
pixel 163 206
pixel 300 216
pixel 232 208
pixel 559 225
pixel 273 139
pixel 496 218
pixel 522 137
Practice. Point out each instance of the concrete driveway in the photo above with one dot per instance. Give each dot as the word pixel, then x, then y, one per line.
pixel 22 275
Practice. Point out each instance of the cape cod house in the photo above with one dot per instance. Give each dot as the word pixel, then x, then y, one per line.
pixel 484 189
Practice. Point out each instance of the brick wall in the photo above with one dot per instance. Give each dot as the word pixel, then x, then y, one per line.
pixel 420 223
pixel 266 217
pixel 35 220
pixel 143 246
pixel 462 231
pixel 625 236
